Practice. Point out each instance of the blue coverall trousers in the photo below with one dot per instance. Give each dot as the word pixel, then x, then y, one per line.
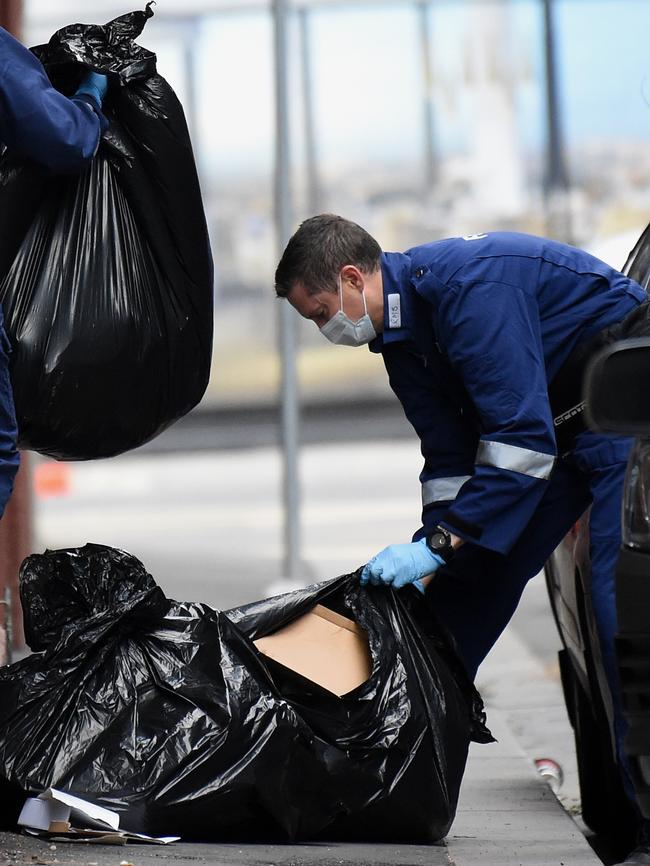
pixel 478 592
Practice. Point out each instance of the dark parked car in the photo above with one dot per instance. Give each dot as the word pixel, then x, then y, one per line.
pixel 617 390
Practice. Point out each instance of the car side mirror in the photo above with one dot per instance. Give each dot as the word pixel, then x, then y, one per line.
pixel 617 388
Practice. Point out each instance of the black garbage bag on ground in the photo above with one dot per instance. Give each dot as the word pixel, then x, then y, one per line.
pixel 106 278
pixel 166 712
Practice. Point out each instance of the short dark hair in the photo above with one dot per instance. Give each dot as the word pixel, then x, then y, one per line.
pixel 319 249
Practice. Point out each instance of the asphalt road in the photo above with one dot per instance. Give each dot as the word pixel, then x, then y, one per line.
pixel 345 420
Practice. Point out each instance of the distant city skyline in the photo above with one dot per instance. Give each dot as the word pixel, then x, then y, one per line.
pixel 367 96
pixel 367 79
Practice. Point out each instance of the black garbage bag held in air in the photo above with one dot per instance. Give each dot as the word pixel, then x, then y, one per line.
pixel 106 278
pixel 167 713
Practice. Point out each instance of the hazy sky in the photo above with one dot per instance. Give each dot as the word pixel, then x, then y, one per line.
pixel 367 77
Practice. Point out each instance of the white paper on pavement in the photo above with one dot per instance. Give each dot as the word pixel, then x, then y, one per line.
pixel 53 807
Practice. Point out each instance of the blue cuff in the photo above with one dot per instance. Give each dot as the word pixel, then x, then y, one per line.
pixel 94 84
pixel 90 101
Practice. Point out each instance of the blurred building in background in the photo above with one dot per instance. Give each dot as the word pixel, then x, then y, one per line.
pixel 417 119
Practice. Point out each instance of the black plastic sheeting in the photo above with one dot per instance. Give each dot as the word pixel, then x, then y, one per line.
pixel 106 278
pixel 165 711
pixel 637 266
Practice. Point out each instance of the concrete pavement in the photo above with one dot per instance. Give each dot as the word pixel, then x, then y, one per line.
pixel 506 813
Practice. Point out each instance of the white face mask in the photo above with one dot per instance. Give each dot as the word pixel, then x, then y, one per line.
pixel 343 331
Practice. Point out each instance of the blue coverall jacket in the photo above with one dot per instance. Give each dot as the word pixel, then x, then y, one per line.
pixel 62 135
pixel 475 329
pixel 36 120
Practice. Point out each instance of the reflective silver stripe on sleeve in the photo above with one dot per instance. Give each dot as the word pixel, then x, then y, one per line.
pixel 497 454
pixel 442 489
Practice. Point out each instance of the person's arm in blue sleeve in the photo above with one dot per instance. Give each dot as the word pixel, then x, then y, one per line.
pixel 9 455
pixel 449 449
pixel 491 333
pixel 39 122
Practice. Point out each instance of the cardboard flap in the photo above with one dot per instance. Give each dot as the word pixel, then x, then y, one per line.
pixel 324 646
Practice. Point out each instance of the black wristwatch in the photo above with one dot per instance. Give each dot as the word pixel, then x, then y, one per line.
pixel 440 542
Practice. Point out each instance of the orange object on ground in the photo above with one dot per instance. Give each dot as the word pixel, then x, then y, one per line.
pixel 52 479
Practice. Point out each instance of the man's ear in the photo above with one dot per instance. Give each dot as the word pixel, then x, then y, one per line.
pixel 352 277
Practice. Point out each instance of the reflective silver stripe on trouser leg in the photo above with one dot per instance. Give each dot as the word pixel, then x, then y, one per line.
pixel 442 489
pixel 522 460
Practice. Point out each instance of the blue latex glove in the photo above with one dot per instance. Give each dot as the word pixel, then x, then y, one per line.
pixel 400 564
pixel 94 85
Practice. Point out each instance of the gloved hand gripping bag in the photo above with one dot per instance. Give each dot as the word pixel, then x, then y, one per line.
pixel 106 277
pixel 166 712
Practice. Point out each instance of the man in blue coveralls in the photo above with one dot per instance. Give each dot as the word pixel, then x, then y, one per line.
pixel 60 134
pixel 476 334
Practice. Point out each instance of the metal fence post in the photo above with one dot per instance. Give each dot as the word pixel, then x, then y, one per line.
pixel 311 152
pixel 556 180
pixel 428 119
pixel 287 321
